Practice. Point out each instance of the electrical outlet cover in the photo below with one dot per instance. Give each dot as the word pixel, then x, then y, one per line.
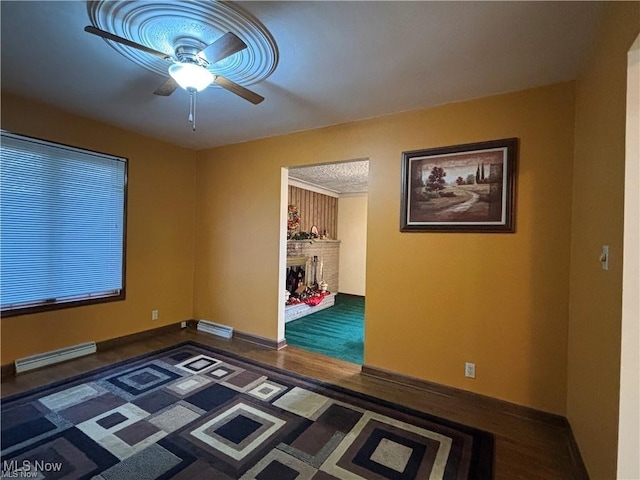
pixel 470 370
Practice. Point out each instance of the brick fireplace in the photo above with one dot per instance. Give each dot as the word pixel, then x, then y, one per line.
pixel 311 261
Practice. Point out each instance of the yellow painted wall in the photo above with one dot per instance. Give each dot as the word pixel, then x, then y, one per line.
pixel 160 225
pixel 596 309
pixel 352 233
pixel 434 300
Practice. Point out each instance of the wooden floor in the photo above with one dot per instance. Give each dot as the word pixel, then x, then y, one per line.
pixel 524 448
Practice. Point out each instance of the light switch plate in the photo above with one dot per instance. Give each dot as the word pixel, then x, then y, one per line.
pixel 604 257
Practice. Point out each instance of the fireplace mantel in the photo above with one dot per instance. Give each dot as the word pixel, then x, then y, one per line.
pixel 312 241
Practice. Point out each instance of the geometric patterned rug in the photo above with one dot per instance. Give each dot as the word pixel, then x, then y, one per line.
pixel 194 412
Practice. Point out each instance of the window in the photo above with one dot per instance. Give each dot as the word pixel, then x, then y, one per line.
pixel 62 226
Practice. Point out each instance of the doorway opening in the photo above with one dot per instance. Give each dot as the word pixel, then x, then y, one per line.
pixel 629 415
pixel 323 258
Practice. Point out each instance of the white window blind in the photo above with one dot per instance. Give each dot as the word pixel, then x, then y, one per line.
pixel 62 225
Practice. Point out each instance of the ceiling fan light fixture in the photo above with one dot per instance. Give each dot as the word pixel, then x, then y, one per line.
pixel 191 76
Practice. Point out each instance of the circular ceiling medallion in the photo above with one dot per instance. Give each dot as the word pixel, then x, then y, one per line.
pixel 166 26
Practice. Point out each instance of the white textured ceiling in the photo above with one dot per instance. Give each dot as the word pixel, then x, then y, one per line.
pixel 338 62
pixel 340 178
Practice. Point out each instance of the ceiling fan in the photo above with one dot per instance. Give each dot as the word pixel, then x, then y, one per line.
pixel 189 68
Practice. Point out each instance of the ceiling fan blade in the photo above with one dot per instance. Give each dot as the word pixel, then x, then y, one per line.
pixel 167 88
pixel 124 41
pixel 237 89
pixel 223 47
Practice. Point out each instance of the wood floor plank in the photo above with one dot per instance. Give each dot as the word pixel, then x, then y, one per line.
pixel 524 448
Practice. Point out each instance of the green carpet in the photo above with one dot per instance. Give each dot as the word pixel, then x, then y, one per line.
pixel 337 331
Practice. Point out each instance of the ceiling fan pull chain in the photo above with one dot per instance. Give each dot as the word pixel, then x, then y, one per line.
pixel 192 108
pixel 193 122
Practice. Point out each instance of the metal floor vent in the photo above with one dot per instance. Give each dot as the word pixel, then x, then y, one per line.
pixel 55 356
pixel 215 329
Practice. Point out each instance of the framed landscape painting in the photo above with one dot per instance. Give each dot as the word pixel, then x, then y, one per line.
pixel 461 188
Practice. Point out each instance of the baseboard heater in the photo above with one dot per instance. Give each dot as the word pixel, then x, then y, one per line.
pixel 55 356
pixel 215 329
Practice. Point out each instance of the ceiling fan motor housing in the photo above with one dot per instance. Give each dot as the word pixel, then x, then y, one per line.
pixel 187 54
